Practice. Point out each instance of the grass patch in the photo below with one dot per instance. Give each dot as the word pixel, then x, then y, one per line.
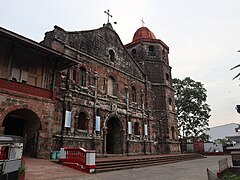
pixel 230 176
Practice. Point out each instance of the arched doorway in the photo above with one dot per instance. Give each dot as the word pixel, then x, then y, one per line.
pixel 113 136
pixel 24 123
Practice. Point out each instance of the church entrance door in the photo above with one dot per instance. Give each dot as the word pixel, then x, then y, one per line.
pixel 24 123
pixel 113 136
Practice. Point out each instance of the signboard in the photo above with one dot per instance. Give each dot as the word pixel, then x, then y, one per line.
pixel 68 119
pixel 129 127
pixel 145 130
pixel 97 125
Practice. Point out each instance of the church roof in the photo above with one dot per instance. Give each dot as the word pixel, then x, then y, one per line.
pixel 63 61
pixel 143 33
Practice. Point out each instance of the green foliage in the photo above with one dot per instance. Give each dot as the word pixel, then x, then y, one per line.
pixel 230 176
pixel 203 137
pixel 192 109
pixel 22 168
pixel 225 142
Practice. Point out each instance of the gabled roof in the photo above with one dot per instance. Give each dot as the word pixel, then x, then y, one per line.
pixel 63 60
pixel 96 43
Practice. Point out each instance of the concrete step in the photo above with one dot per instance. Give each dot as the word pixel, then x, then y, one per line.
pixel 104 165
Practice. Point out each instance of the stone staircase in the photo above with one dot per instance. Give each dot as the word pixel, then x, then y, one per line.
pixel 126 162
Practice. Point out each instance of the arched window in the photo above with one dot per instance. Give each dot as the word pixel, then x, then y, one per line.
pixel 173 132
pixel 126 93
pixel 112 55
pixel 111 85
pixel 134 94
pixel 134 52
pixel 170 104
pixel 82 76
pixel 151 50
pixel 136 128
pixel 170 101
pixel 163 54
pixel 167 76
pixel 81 124
pixel 74 77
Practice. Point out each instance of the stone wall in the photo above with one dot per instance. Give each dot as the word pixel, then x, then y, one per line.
pixel 92 50
pixel 141 93
pixel 152 56
pixel 38 115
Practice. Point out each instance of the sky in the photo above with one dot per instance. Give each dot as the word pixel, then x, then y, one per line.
pixel 203 36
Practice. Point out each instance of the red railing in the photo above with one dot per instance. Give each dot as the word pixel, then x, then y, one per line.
pixel 75 154
pixel 78 158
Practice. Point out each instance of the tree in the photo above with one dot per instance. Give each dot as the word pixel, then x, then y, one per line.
pixel 192 109
pixel 237 106
pixel 224 141
pixel 235 68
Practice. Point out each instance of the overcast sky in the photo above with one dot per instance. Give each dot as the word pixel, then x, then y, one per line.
pixel 203 36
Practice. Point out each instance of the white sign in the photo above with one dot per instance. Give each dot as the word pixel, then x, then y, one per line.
pixel 68 119
pixel 145 130
pixel 97 125
pixel 129 127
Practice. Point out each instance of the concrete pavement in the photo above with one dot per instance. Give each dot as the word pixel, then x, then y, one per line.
pixel 186 170
pixel 42 169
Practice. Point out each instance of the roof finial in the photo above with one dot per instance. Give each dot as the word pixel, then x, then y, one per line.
pixel 142 22
pixel 108 14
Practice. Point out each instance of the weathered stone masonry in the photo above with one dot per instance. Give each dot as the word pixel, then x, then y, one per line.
pixel 121 105
pixel 95 77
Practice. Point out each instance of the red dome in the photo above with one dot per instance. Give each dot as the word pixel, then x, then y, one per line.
pixel 143 33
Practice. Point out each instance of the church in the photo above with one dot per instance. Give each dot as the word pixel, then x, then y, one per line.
pixel 87 89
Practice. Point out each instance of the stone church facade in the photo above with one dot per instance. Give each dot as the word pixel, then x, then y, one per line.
pixel 86 89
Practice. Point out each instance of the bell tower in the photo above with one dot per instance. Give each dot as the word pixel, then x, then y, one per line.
pixel 152 55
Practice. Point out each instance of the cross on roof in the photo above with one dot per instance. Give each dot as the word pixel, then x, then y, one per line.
pixel 108 14
pixel 142 22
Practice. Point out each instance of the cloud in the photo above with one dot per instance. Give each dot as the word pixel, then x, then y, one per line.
pixel 203 35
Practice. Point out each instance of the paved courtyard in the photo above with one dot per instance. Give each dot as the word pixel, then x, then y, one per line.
pixel 186 170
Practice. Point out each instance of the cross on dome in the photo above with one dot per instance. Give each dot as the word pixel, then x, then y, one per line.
pixel 142 22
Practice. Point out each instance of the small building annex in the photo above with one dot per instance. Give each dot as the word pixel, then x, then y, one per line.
pixel 86 89
pixel 221 131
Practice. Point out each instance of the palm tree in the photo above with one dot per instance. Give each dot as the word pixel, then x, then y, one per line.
pixel 236 67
